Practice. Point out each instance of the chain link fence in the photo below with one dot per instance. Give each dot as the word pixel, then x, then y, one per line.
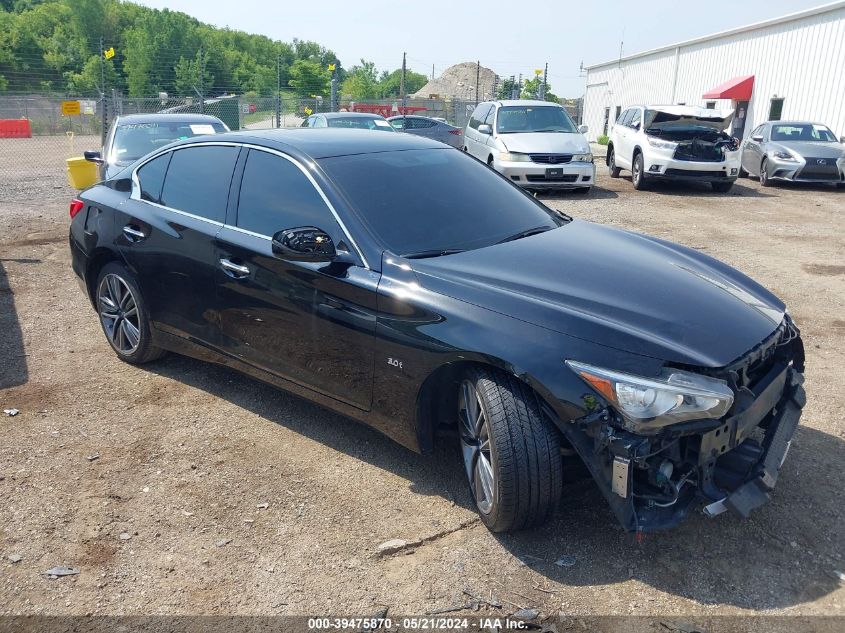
pixel 60 127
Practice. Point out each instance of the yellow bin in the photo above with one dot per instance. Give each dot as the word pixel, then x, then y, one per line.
pixel 81 173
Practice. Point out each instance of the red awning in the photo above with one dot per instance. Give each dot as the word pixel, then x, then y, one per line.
pixel 738 89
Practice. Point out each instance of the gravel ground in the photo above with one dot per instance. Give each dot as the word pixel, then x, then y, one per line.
pixel 185 488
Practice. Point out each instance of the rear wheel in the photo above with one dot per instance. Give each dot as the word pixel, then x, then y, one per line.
pixel 765 181
pixel 123 315
pixel 612 169
pixel 638 176
pixel 511 451
pixel 722 187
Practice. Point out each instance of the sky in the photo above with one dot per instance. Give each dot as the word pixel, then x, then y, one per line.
pixel 509 37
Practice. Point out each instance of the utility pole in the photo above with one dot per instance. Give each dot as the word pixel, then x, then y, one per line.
pixel 545 85
pixel 402 82
pixel 279 91
pixel 103 107
pixel 477 79
pixel 432 72
pixel 201 65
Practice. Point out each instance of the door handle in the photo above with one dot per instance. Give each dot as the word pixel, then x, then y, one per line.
pixel 234 270
pixel 133 233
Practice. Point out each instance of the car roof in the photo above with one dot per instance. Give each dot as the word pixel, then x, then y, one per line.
pixel 796 123
pixel 348 115
pixel 527 102
pixel 160 117
pixel 316 144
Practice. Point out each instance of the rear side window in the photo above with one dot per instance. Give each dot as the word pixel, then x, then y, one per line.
pixel 276 195
pixel 151 178
pixel 198 180
pixel 622 117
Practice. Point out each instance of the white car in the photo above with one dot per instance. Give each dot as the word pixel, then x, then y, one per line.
pixel 533 143
pixel 683 143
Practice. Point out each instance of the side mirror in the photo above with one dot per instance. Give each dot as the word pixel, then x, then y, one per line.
pixel 485 129
pixel 583 129
pixel 93 156
pixel 636 127
pixel 759 139
pixel 304 244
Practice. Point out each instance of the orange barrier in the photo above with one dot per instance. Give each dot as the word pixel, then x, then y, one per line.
pixel 15 128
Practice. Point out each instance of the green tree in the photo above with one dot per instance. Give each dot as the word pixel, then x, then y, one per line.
pixel 531 90
pixel 390 83
pixel 191 76
pixel 309 77
pixel 361 82
pixel 88 81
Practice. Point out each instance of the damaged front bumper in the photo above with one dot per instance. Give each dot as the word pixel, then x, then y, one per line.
pixel 730 464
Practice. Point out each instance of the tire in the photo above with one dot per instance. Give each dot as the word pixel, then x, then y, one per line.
pixel 123 315
pixel 612 169
pixel 765 181
pixel 490 162
pixel 638 176
pixel 511 451
pixel 722 187
pixel 742 172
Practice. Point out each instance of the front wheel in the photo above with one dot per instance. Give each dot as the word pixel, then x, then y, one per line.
pixel 765 181
pixel 511 451
pixel 722 187
pixel 612 169
pixel 123 315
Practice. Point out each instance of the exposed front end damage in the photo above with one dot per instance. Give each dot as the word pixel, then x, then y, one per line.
pixel 729 463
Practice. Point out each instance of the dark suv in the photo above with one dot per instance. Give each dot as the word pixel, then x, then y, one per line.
pixel 404 284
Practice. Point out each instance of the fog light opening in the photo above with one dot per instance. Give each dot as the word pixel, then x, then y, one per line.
pixel 655 168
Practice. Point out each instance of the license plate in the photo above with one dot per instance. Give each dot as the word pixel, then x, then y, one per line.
pixel 554 173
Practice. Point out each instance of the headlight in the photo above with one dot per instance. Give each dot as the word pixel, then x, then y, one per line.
pixel 510 157
pixel 582 158
pixel 784 156
pixel 659 144
pixel 652 403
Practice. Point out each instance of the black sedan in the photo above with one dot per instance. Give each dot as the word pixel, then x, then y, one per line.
pixel 408 286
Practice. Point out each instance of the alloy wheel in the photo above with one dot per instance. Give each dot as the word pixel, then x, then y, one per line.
pixel 475 446
pixel 119 314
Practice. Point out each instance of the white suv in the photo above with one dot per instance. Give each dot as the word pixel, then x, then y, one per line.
pixel 533 143
pixel 675 143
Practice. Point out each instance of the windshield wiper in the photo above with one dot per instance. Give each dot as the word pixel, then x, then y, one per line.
pixel 434 252
pixel 528 233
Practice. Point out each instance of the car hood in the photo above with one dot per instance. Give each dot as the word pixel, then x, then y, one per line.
pixel 812 149
pixel 545 143
pixel 686 116
pixel 615 288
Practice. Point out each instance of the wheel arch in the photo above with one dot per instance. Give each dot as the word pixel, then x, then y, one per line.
pixel 98 259
pixel 436 402
pixel 607 153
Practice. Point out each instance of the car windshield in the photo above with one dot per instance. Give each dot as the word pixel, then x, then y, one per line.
pixel 802 132
pixel 133 140
pixel 521 119
pixel 359 122
pixel 430 201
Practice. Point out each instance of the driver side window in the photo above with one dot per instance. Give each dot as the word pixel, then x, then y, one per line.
pixel 276 195
pixel 636 119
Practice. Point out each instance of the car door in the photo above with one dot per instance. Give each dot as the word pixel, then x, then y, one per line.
pixel 167 230
pixel 619 135
pixel 752 151
pixel 310 323
pixel 630 137
pixel 476 142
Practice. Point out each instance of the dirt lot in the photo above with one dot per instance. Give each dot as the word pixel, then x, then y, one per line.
pixel 216 494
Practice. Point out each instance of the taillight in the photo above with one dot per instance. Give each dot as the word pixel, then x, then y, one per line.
pixel 76 206
pixel 456 132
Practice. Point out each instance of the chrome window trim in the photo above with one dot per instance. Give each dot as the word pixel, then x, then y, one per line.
pixel 136 191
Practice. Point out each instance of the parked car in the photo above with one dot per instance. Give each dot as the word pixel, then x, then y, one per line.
pixel 134 135
pixel 796 151
pixel 533 143
pixel 347 120
pixel 429 128
pixel 408 286
pixel 681 143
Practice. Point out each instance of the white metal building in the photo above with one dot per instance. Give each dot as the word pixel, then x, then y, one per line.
pixel 791 67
